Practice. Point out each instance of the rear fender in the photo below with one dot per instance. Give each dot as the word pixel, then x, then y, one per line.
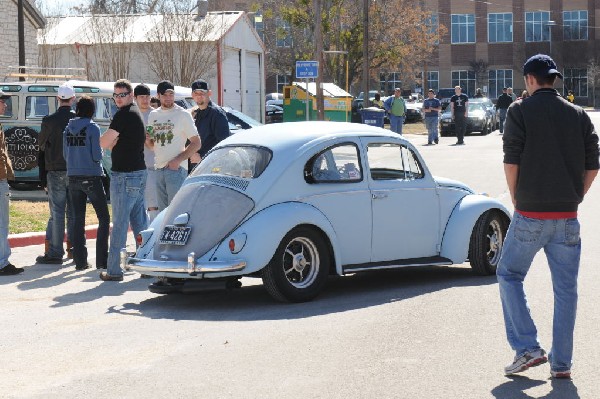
pixel 457 235
pixel 264 231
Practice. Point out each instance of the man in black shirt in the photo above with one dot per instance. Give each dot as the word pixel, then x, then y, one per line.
pixel 502 105
pixel 459 105
pixel 125 137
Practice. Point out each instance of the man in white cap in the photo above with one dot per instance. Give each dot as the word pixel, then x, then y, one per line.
pixel 51 144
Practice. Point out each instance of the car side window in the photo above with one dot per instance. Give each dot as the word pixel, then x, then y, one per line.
pixel 11 111
pixel 393 162
pixel 339 164
pixel 37 107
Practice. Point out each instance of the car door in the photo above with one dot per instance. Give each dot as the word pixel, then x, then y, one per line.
pixel 404 201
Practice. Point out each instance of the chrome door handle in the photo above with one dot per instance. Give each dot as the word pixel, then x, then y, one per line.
pixel 379 195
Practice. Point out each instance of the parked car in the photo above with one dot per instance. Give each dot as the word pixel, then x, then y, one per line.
pixel 444 95
pixel 239 119
pixel 478 120
pixel 414 111
pixel 491 110
pixel 358 104
pixel 293 203
pixel 273 97
pixel 273 114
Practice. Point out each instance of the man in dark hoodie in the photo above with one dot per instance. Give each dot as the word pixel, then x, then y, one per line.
pixel 550 161
pixel 81 146
pixel 502 105
pixel 50 142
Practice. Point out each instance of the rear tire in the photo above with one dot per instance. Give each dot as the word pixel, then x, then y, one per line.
pixel 486 243
pixel 299 268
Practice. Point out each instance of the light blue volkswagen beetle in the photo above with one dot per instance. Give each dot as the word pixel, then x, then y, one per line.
pixel 293 203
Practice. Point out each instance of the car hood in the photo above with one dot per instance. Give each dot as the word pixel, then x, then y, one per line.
pixel 449 183
pixel 213 212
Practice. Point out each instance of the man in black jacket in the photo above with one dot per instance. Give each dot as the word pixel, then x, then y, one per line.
pixel 502 105
pixel 51 144
pixel 211 121
pixel 550 161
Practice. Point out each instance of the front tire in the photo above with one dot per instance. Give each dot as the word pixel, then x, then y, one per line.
pixel 486 243
pixel 299 268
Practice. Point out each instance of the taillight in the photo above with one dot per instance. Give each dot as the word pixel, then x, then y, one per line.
pixel 232 245
pixel 138 240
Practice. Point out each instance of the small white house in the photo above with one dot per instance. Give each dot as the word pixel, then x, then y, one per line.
pixel 223 48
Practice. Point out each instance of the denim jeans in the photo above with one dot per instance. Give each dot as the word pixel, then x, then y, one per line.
pixel 127 201
pixel 431 123
pixel 502 114
pixel 396 123
pixel 58 199
pixel 168 182
pixel 80 189
pixel 4 203
pixel 562 245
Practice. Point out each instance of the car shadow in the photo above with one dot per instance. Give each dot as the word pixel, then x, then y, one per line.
pixel 361 290
pixel 516 387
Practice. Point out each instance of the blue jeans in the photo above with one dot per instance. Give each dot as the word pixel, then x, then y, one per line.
pixel 431 123
pixel 4 203
pixel 396 123
pixel 80 189
pixel 58 199
pixel 168 182
pixel 562 245
pixel 127 200
pixel 502 114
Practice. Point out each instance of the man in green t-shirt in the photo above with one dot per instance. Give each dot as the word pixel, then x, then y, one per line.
pixel 396 107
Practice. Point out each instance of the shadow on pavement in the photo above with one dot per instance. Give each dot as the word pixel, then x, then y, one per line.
pixel 514 389
pixel 341 294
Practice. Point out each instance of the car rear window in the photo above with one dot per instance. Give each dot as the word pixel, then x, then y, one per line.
pixel 246 162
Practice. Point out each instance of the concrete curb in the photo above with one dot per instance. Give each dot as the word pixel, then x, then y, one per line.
pixel 38 238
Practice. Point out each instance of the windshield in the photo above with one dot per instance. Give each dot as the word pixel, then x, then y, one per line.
pixel 239 161
pixel 242 117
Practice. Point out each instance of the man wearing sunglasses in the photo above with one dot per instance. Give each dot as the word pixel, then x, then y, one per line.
pixel 125 137
pixel 169 128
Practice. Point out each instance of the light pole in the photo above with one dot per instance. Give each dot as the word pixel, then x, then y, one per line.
pixel 346 53
pixel 550 24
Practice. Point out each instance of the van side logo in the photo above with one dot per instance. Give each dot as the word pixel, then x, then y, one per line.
pixel 23 147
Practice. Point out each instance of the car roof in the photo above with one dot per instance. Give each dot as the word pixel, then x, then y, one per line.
pixel 294 135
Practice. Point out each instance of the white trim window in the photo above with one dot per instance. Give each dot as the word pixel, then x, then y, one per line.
pixel 433 81
pixel 283 33
pixel 500 28
pixel 388 82
pixel 463 28
pixel 499 79
pixel 576 79
pixel 466 80
pixel 282 80
pixel 575 25
pixel 537 28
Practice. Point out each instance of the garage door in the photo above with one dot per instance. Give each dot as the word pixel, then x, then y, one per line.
pixel 232 78
pixel 253 97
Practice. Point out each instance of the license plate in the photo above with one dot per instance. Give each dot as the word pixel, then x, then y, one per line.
pixel 175 235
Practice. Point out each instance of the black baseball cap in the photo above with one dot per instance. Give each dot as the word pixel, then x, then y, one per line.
pixel 163 86
pixel 141 90
pixel 541 65
pixel 3 95
pixel 200 84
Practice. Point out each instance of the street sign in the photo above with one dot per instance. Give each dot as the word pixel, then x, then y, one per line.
pixel 307 69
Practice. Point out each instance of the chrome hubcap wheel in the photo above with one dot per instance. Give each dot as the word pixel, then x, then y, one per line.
pixel 495 240
pixel 301 262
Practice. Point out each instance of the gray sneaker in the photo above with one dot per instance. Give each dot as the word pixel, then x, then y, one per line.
pixel 525 361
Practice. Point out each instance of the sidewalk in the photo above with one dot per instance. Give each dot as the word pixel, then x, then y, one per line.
pixel 37 238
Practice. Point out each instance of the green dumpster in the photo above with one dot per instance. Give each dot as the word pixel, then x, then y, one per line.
pixel 337 102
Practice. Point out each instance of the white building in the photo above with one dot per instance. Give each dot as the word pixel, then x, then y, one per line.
pixel 223 48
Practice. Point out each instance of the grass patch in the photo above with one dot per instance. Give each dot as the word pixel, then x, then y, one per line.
pixel 412 128
pixel 32 216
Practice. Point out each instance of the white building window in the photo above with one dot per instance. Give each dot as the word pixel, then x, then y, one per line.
pixel 282 80
pixel 388 82
pixel 283 33
pixel 576 79
pixel 463 28
pixel 466 80
pixel 536 26
pixel 500 28
pixel 497 80
pixel 575 25
pixel 433 81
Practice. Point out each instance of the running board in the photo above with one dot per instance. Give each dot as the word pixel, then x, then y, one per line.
pixel 395 264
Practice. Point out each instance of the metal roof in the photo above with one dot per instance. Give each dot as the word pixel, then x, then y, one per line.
pixel 329 89
pixel 135 28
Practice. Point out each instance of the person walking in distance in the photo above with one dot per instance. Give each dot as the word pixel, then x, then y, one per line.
pixel 210 119
pixel 432 108
pixel 81 141
pixel 550 161
pixel 142 96
pixel 6 174
pixel 125 137
pixel 502 105
pixel 459 106
pixel 396 108
pixel 169 128
pixel 51 143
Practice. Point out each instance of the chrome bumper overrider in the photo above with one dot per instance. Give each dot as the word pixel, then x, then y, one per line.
pixel 190 267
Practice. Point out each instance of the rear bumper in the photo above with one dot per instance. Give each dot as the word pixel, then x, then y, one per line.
pixel 190 267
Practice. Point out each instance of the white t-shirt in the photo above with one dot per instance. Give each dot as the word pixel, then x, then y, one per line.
pixel 170 129
pixel 148 153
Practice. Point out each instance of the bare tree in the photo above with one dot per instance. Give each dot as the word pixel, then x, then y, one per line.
pixel 480 69
pixel 593 70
